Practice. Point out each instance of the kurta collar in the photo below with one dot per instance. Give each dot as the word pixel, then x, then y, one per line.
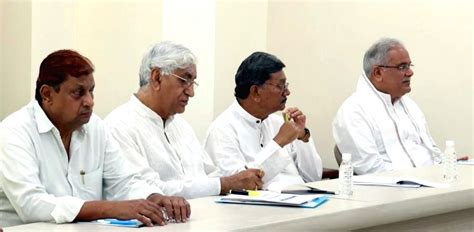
pixel 145 111
pixel 246 115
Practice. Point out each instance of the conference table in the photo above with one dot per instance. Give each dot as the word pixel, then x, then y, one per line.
pixel 370 208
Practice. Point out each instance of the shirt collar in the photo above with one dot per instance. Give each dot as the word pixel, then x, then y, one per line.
pixel 145 111
pixel 42 121
pixel 245 115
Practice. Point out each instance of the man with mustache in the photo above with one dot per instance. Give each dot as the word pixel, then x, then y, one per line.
pixel 379 124
pixel 59 164
pixel 161 145
pixel 247 133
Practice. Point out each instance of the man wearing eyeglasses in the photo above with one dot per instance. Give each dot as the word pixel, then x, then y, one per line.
pixel 379 124
pixel 161 145
pixel 248 134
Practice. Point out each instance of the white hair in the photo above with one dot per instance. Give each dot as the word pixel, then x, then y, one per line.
pixel 377 54
pixel 167 56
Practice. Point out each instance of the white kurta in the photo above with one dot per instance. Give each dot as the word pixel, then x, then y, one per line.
pixel 236 139
pixel 168 155
pixel 37 181
pixel 380 135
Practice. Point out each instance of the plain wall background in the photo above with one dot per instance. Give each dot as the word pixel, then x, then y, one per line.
pixel 321 42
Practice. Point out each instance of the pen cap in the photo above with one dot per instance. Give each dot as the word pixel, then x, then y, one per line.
pixel 346 156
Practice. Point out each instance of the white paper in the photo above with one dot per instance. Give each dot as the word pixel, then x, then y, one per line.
pixel 395 181
pixel 272 197
pixel 466 162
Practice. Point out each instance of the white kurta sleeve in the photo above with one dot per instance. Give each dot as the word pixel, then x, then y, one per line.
pixel 224 149
pixel 122 181
pixel 19 178
pixel 191 188
pixel 353 134
pixel 307 161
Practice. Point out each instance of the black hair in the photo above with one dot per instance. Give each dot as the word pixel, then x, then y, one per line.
pixel 255 70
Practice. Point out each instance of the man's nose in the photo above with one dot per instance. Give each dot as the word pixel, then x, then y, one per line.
pixel 88 99
pixel 189 90
pixel 409 72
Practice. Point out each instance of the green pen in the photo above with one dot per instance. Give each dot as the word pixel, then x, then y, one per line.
pixel 285 117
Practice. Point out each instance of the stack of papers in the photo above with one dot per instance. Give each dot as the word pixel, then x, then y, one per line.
pixel 276 199
pixel 404 181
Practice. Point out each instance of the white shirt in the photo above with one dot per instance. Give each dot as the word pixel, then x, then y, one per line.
pixel 168 154
pixel 38 183
pixel 382 136
pixel 236 139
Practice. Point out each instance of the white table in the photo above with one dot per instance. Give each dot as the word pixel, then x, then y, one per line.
pixel 368 209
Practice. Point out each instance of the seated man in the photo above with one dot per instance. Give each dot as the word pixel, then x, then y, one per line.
pixel 379 125
pixel 247 132
pixel 161 145
pixel 58 163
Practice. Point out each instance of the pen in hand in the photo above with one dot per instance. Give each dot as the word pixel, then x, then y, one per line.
pixel 260 174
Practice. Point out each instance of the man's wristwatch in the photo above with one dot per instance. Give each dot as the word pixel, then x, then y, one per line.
pixel 306 135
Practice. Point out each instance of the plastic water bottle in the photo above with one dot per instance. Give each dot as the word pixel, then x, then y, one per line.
pixel 345 176
pixel 450 171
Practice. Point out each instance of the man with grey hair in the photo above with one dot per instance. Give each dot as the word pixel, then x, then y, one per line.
pixel 379 125
pixel 160 144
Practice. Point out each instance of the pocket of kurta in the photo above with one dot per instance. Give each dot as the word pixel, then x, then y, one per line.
pixel 88 185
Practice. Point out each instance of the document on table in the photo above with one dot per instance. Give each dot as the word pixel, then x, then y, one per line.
pixel 466 162
pixel 403 181
pixel 276 199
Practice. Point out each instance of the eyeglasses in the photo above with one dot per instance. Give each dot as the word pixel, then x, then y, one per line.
pixel 401 67
pixel 186 82
pixel 281 86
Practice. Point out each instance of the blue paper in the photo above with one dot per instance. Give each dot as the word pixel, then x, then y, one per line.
pixel 133 223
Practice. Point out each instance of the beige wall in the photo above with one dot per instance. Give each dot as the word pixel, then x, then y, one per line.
pixel 15 55
pixel 321 42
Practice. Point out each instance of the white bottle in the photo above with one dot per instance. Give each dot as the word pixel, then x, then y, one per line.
pixel 450 172
pixel 345 176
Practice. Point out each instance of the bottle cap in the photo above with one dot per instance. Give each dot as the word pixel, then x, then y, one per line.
pixel 346 156
pixel 449 143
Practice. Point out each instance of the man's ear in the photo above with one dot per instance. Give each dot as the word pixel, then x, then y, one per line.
pixel 254 93
pixel 155 78
pixel 376 73
pixel 46 92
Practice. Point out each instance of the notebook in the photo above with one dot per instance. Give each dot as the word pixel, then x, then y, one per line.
pixel 276 199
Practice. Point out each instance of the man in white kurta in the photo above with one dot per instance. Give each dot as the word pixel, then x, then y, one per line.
pixel 40 184
pixel 158 142
pixel 379 125
pixel 167 153
pixel 59 164
pixel 247 133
